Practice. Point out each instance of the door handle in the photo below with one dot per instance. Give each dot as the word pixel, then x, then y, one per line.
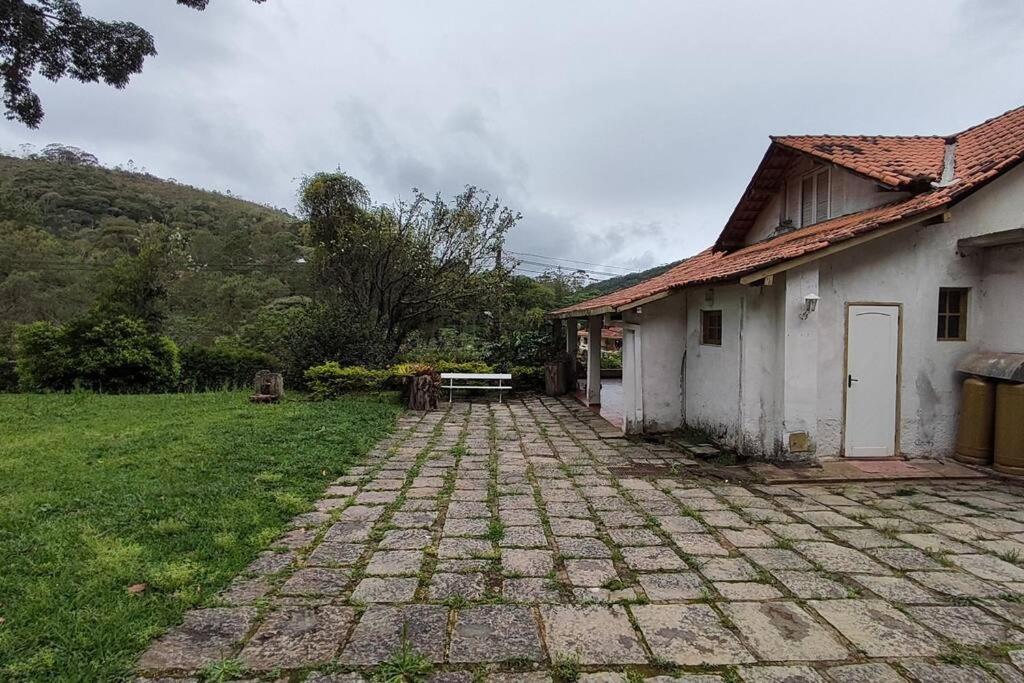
pixel 850 380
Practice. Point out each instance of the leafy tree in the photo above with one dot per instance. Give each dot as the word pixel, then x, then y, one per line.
pixel 55 37
pixel 135 288
pixel 105 353
pixel 403 267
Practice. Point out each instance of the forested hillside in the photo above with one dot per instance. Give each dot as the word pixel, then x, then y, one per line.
pixel 64 221
pixel 620 282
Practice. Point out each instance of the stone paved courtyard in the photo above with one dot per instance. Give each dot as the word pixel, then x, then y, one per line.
pixel 527 542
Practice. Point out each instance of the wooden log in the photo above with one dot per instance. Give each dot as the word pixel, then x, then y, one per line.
pixel 423 392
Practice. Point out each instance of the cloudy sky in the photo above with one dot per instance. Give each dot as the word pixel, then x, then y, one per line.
pixel 623 131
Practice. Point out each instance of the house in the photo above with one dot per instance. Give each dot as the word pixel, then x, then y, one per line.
pixel 611 339
pixel 828 317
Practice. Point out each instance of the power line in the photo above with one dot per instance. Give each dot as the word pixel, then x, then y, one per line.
pixel 558 258
pixel 557 267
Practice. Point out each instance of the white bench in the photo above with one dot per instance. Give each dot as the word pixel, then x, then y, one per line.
pixel 449 381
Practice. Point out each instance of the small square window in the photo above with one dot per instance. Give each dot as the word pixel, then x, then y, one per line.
pixel 952 314
pixel 711 328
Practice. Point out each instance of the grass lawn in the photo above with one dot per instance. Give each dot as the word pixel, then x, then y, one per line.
pixel 179 492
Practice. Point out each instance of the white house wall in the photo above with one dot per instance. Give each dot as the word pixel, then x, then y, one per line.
pixel 999 299
pixel 662 348
pixel 732 391
pixel 908 268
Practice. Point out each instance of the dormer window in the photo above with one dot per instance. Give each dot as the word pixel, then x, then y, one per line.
pixel 814 197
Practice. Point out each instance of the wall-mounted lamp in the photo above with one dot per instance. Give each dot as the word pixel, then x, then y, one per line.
pixel 810 304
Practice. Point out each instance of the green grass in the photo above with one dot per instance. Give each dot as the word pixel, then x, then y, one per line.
pixel 177 492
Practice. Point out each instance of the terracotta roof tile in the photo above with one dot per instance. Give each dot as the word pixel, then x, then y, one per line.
pixel 985 150
pixel 982 153
pixel 711 266
pixel 895 161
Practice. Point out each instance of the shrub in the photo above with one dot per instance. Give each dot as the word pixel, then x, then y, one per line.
pixel 42 357
pixel 303 334
pixel 456 366
pixel 105 353
pixel 222 367
pixel 120 355
pixel 611 360
pixel 331 380
pixel 398 375
pixel 8 376
pixel 446 345
pixel 527 377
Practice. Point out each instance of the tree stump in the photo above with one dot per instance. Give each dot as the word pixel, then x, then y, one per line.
pixel 422 392
pixel 555 378
pixel 268 387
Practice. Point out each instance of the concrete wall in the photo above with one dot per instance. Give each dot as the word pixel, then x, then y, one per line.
pixel 908 268
pixel 662 343
pixel 732 390
pixel 999 299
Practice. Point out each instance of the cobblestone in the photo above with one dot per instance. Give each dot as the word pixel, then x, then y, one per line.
pixel 514 536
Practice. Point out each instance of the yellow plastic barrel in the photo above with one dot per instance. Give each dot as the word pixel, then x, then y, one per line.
pixel 974 433
pixel 1009 436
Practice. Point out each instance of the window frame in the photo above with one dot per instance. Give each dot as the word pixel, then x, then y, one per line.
pixel 944 315
pixel 813 176
pixel 706 327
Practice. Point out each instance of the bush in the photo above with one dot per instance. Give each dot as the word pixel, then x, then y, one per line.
pixel 303 334
pixel 398 375
pixel 611 360
pixel 8 376
pixel 222 367
pixel 527 377
pixel 522 348
pixel 120 355
pixel 447 345
pixel 331 380
pixel 104 353
pixel 42 357
pixel 454 366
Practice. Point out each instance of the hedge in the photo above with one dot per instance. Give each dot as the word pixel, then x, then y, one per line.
pixel 331 379
pixel 222 367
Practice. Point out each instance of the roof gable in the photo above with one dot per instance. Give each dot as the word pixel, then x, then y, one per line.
pixel 894 161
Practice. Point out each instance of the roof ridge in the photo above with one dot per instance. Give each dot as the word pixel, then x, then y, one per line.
pixel 777 138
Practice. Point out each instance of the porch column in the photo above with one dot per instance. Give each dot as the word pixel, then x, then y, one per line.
pixel 800 354
pixel 594 360
pixel 571 345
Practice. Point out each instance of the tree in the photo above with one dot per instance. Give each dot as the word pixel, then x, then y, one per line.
pixel 67 154
pixel 135 288
pixel 405 266
pixel 54 37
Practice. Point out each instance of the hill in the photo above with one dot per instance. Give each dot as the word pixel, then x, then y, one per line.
pixel 612 284
pixel 65 220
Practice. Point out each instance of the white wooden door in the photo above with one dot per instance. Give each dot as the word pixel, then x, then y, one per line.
pixel 632 382
pixel 872 365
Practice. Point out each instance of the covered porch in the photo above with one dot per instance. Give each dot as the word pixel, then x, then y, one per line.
pixel 614 395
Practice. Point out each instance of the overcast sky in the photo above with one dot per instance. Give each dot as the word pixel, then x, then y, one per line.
pixel 623 131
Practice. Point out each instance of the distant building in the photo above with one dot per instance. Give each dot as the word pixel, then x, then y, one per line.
pixel 611 339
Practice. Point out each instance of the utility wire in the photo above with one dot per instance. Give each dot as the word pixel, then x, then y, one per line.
pixel 567 260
